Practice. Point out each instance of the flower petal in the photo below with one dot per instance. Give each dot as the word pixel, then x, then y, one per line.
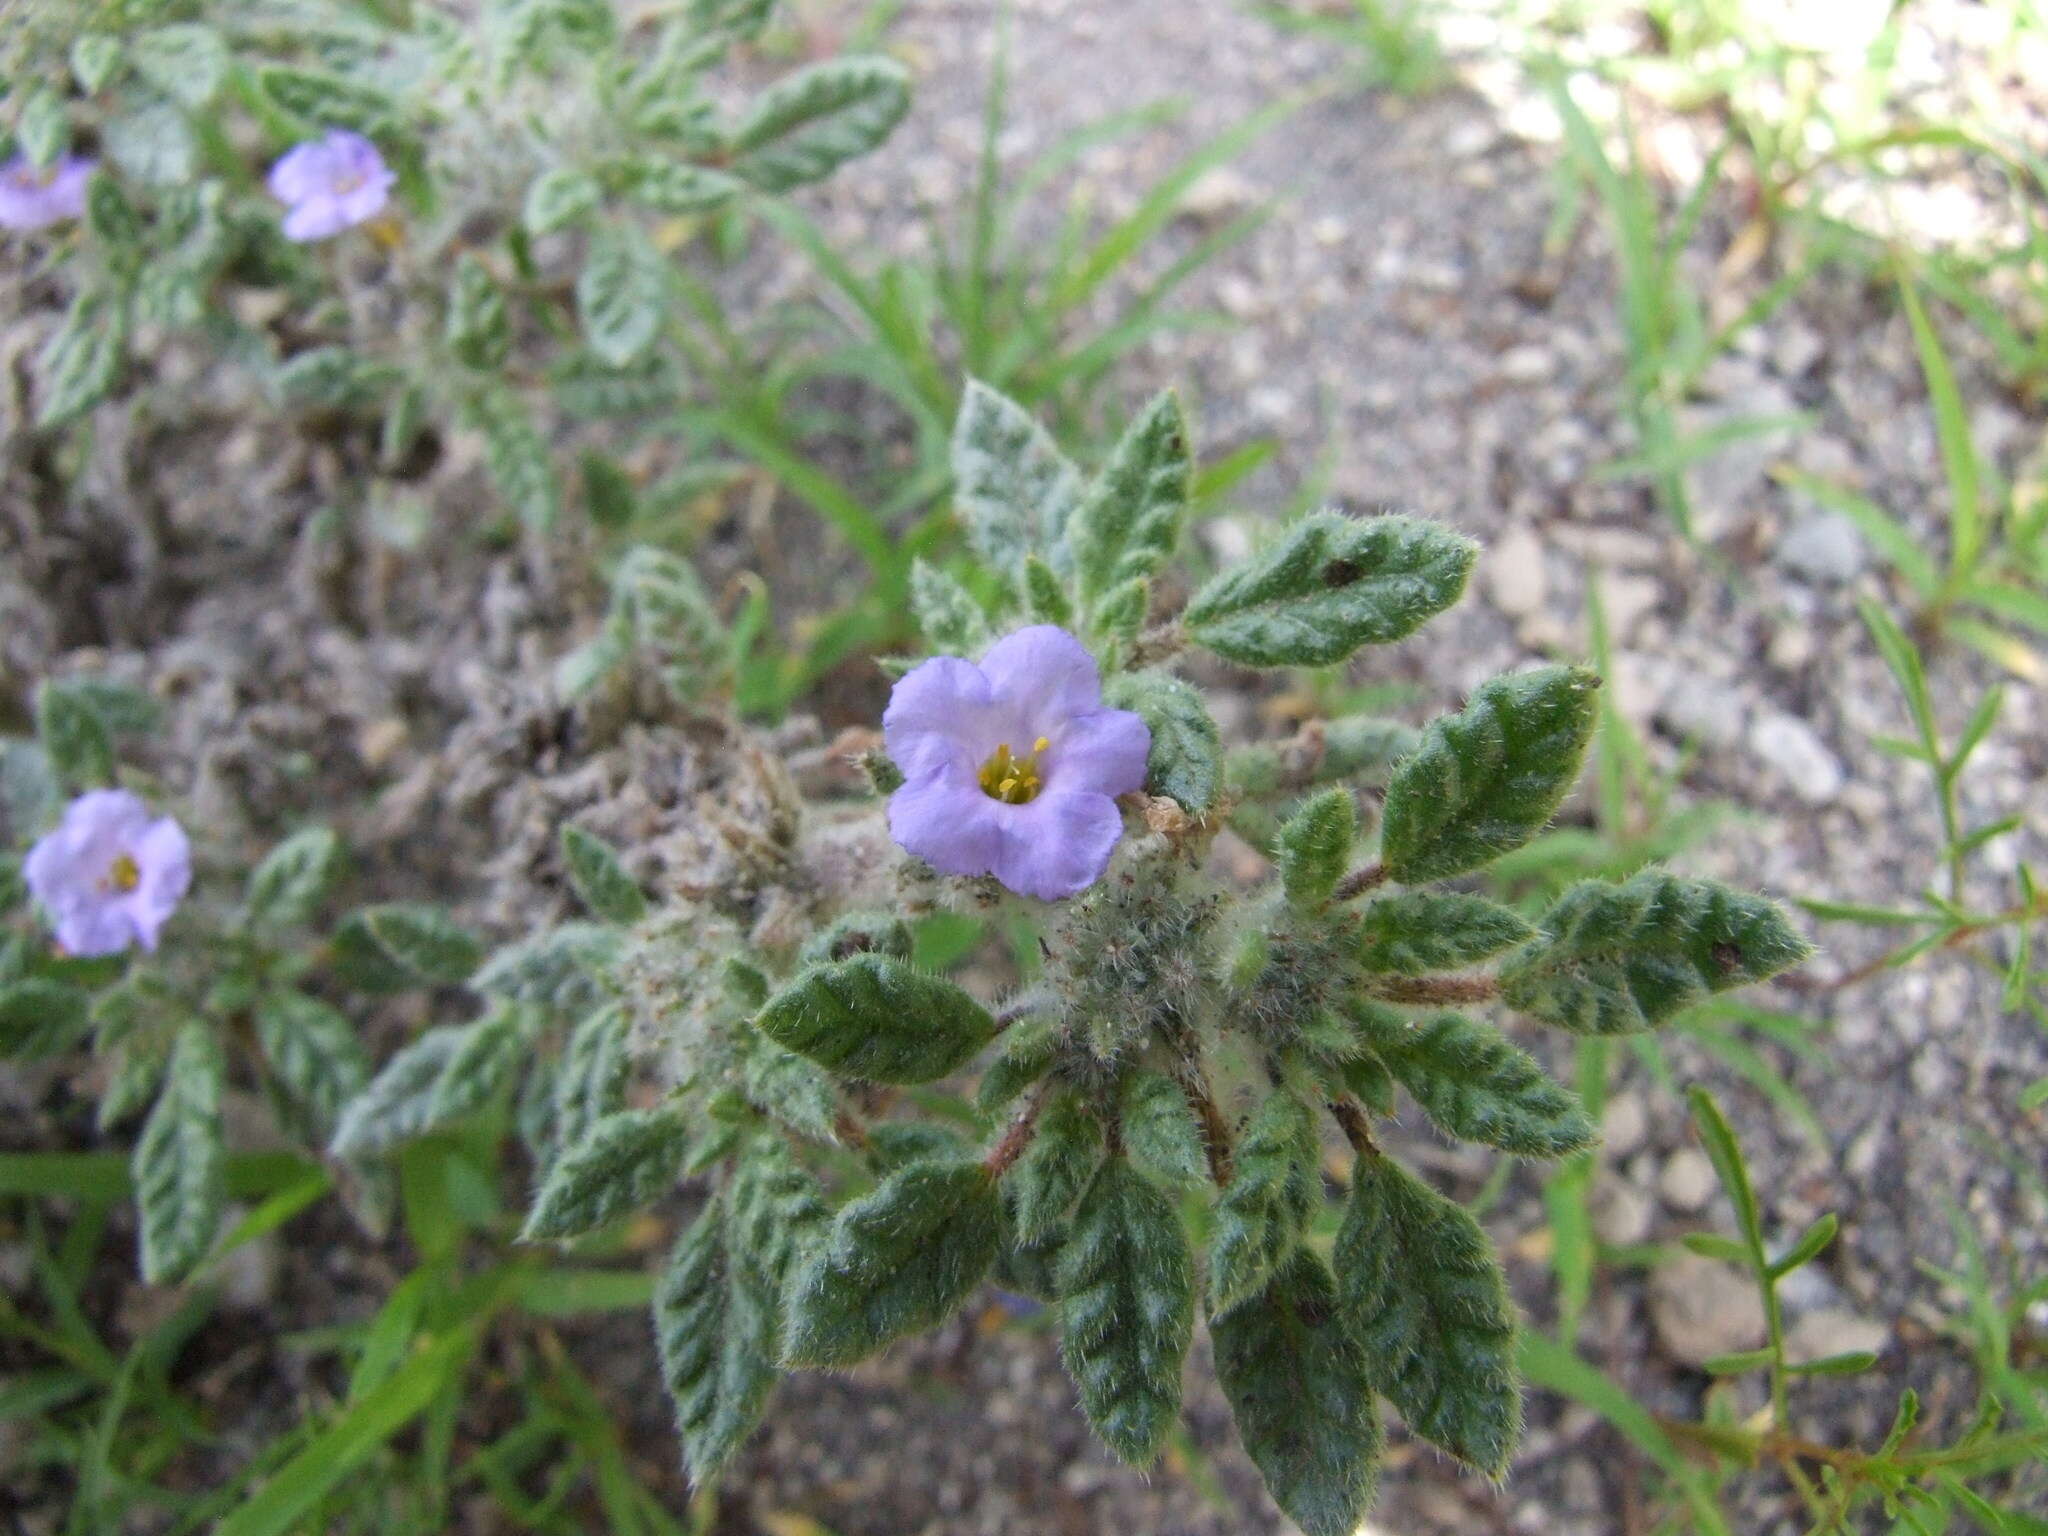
pixel 301 172
pixel 1058 845
pixel 1103 751
pixel 937 719
pixel 95 928
pixel 1042 675
pixel 953 827
pixel 315 219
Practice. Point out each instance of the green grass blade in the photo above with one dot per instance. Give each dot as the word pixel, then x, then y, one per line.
pixel 1952 427
pixel 281 1506
pixel 1549 1365
pixel 1130 234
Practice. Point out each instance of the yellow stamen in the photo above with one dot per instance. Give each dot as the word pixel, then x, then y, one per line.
pixel 123 875
pixel 1012 780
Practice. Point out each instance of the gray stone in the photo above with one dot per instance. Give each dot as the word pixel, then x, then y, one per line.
pixel 1687 1181
pixel 1834 1331
pixel 1823 547
pixel 1622 1214
pixel 1701 1308
pixel 1795 751
pixel 1515 578
pixel 1624 1124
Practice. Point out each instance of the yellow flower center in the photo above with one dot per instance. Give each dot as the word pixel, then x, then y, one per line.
pixel 122 874
pixel 1012 780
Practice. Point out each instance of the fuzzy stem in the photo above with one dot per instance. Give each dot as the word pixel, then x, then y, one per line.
pixel 1157 644
pixel 1436 989
pixel 850 1130
pixel 1359 881
pixel 1019 1135
pixel 1194 1087
pixel 1355 1123
pixel 1017 1008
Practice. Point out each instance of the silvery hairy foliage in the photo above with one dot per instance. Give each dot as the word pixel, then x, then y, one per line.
pixel 1157 1110
pixel 546 162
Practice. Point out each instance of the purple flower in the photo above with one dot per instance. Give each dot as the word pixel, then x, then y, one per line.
pixel 110 875
pixel 1012 768
pixel 330 184
pixel 33 199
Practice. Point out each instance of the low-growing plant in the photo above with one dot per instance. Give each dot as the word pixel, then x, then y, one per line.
pixel 469 219
pixel 177 985
pixel 2002 938
pixel 1009 293
pixel 1989 588
pixel 1154 1099
pixel 1989 1472
pixel 1394 43
pixel 1670 338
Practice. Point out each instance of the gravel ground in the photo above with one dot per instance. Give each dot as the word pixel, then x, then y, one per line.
pixel 1399 308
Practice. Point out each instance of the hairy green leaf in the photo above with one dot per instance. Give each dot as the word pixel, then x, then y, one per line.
pixel 185 61
pixel 179 1164
pixel 330 378
pixel 287 887
pixel 74 738
pixel 485 1059
pixel 947 614
pixel 424 941
pixel 879 1019
pixel 810 123
pixel 115 226
pixel 675 186
pixel 600 879
pixel 620 294
pixel 1486 781
pixel 1614 959
pixel 557 969
pixel 590 1080
pixel 737 18
pixel 1314 845
pixel 1476 1085
pixel 1186 758
pixel 324 100
pixel 1273 1191
pixel 1301 1393
pixel 94 58
pixel 1059 1164
pixel 1331 585
pixel 1158 1129
pixel 316 1055
pixel 1430 1308
pixel 1413 933
pixel 624 1161
pixel 41 1016
pixel 1128 520
pixel 42 127
pixel 403 1098
pixel 715 1328
pixel 790 1089
pixel 81 362
pixel 903 1257
pixel 1013 489
pixel 517 456
pixel 660 601
pixel 479 326
pixel 1045 596
pixel 1028 1050
pixel 154 145
pixel 1127 1308
pixel 778 1211
pixel 558 198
